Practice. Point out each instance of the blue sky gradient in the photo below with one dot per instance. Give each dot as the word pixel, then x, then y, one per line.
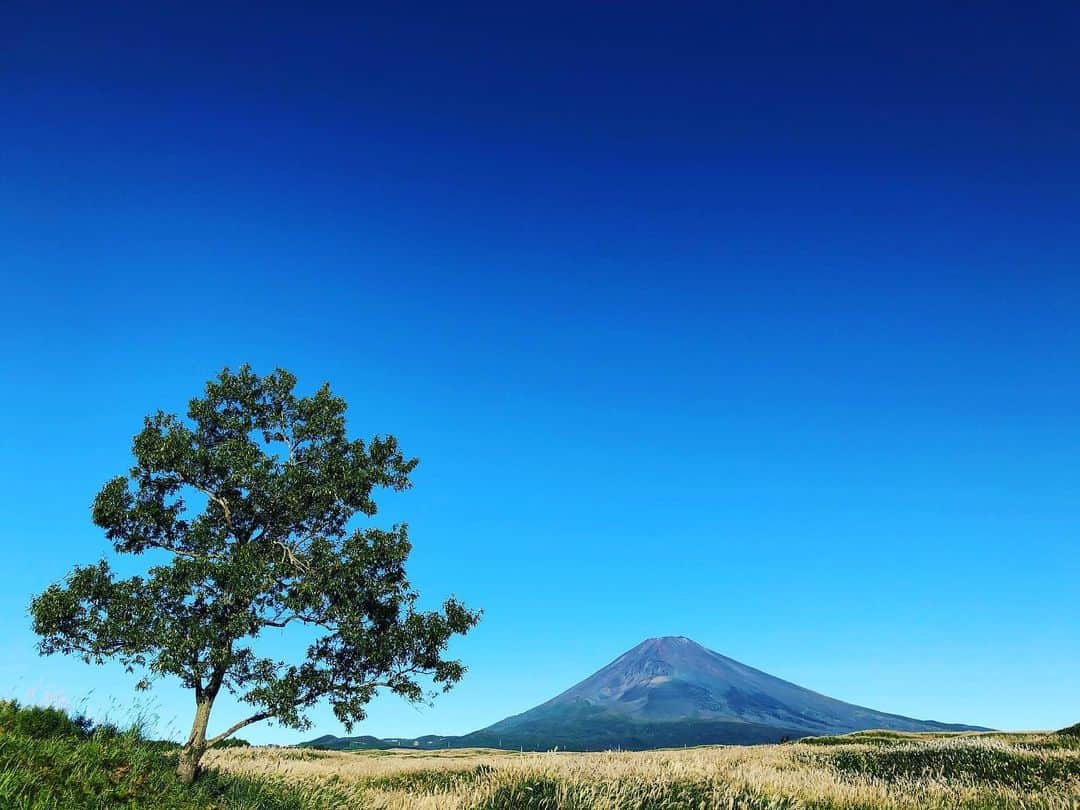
pixel 759 326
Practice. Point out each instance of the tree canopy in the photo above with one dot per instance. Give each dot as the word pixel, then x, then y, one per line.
pixel 250 506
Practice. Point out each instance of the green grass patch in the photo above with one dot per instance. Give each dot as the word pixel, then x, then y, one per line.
pixel 550 793
pixel 864 738
pixel 49 761
pixel 983 764
pixel 435 780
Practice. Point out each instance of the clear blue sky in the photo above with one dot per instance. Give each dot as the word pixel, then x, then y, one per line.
pixel 755 325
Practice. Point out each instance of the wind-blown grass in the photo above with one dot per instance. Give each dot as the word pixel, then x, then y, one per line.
pixel 868 770
pixel 50 761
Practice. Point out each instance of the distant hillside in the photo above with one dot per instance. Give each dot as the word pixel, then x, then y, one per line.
pixel 668 692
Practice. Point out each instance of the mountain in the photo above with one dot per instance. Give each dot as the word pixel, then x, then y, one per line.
pixel 666 692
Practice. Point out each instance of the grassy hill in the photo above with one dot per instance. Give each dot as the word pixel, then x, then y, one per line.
pixel 50 761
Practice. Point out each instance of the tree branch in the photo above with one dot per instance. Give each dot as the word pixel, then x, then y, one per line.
pixel 235 727
pixel 191 555
pixel 288 553
pixel 294 617
pixel 214 497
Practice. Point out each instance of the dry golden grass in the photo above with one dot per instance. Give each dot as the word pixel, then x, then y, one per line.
pixel 859 771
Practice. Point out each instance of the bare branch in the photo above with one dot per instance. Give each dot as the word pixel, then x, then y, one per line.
pixel 214 497
pixel 300 617
pixel 288 553
pixel 191 555
pixel 235 727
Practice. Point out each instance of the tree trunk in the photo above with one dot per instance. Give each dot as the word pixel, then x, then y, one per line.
pixel 188 766
pixel 192 752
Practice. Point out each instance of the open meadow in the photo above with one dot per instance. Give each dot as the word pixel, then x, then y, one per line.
pixel 864 770
pixel 50 761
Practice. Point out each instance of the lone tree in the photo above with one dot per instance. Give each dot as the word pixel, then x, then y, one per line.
pixel 248 507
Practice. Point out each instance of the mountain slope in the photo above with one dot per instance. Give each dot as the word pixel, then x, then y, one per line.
pixel 672 691
pixel 675 679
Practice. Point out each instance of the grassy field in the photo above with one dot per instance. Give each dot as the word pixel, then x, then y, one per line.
pixel 49 761
pixel 867 770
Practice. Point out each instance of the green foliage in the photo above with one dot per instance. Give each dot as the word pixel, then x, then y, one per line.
pixel 876 737
pixel 533 792
pixel 41 722
pixel 1071 731
pixel 232 742
pixel 957 760
pixel 246 509
pixel 430 781
pixel 74 773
